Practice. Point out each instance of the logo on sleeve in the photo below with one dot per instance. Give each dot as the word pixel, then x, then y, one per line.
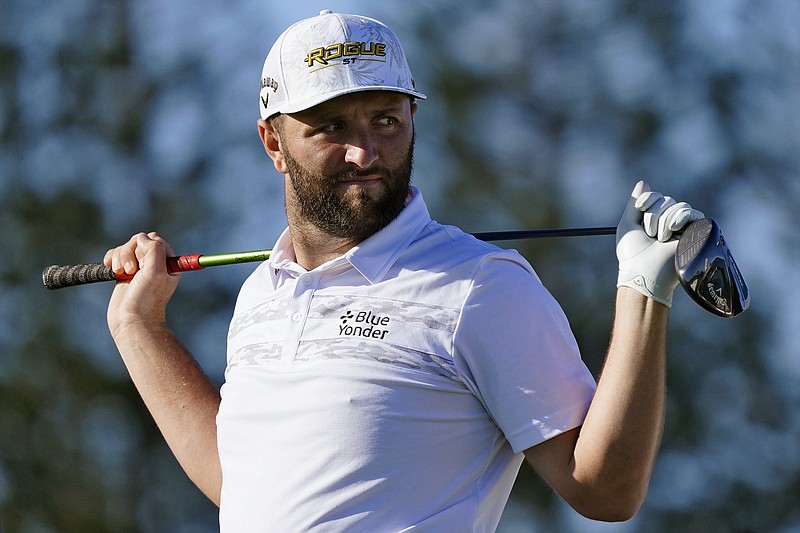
pixel 363 324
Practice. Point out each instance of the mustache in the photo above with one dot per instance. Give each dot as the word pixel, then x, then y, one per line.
pixel 355 173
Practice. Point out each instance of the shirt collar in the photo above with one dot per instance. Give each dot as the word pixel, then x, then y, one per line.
pixel 372 257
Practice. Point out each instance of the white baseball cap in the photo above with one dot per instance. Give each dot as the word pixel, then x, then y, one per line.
pixel 330 55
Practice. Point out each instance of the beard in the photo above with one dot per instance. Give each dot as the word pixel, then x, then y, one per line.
pixel 356 214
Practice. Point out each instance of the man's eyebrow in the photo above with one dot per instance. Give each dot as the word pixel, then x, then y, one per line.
pixel 334 114
pixel 389 109
pixel 319 117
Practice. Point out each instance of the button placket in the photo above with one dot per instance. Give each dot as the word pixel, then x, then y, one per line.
pixel 298 314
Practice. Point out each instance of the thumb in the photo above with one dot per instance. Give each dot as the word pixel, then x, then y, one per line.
pixel 632 216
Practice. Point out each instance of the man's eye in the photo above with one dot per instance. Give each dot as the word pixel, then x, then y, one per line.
pixel 332 127
pixel 387 121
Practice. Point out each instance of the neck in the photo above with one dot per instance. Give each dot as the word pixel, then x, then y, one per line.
pixel 314 247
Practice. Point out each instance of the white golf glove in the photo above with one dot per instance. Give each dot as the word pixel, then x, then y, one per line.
pixel 645 243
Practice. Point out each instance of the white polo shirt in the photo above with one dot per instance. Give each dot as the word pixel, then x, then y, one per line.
pixel 393 388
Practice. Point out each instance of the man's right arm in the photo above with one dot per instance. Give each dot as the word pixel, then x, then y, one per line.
pixel 180 397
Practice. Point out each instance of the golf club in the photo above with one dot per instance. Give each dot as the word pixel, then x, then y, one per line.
pixel 703 262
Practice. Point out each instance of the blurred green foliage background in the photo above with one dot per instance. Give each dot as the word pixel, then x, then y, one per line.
pixel 119 116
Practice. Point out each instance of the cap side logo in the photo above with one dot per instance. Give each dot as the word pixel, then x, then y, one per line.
pixel 267 82
pixel 348 52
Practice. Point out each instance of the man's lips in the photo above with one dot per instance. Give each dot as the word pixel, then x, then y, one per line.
pixel 363 180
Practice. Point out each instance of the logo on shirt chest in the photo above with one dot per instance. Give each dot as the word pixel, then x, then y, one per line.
pixel 364 324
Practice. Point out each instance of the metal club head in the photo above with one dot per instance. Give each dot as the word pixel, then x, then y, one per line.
pixel 707 271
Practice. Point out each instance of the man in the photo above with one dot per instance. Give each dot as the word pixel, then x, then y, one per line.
pixel 386 372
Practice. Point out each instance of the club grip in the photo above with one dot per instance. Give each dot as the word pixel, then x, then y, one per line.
pixel 57 277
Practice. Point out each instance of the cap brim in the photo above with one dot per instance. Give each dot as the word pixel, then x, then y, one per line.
pixel 308 103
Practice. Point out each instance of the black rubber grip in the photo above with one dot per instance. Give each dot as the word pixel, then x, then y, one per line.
pixel 57 277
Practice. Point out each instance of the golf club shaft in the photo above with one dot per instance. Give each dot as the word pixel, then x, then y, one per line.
pixel 544 233
pixel 57 276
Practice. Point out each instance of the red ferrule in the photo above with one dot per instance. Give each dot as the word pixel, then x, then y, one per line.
pixel 183 263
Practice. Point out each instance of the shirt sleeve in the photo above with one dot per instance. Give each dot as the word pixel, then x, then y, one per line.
pixel 515 350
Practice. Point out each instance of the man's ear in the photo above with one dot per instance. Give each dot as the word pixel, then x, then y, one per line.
pixel 272 144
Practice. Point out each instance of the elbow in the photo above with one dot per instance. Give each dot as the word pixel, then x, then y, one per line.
pixel 610 505
pixel 617 513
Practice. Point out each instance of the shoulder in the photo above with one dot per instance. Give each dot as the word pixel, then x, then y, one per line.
pixel 451 248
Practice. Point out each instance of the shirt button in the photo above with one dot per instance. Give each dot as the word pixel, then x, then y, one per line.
pixel 296 317
pixel 307 281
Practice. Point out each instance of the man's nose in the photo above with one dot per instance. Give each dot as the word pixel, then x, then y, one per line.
pixel 361 150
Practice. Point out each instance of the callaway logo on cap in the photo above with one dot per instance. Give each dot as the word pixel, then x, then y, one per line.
pixel 329 55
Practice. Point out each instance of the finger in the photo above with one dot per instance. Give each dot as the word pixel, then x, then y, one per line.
pixel 631 216
pixel 107 257
pixel 675 219
pixel 123 258
pixel 151 249
pixel 155 236
pixel 645 202
pixel 647 199
pixel 640 188
pixel 670 219
pixel 152 253
pixel 654 213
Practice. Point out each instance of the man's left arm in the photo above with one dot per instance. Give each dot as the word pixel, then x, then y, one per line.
pixel 603 468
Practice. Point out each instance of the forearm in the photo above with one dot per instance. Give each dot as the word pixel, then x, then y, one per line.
pixel 622 432
pixel 181 399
